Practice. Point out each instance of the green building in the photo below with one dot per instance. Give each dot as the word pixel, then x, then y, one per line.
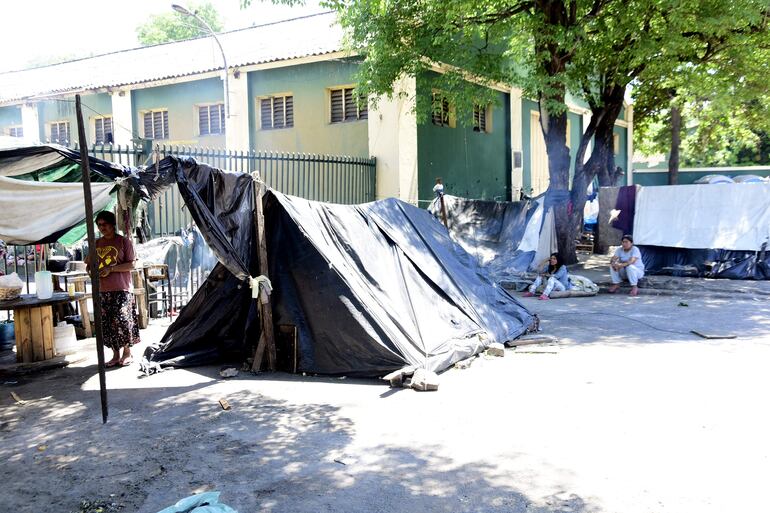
pixel 290 88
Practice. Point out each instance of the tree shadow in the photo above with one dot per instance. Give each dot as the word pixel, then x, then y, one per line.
pixel 263 454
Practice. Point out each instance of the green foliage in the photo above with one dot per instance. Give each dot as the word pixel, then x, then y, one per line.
pixel 174 26
pixel 723 98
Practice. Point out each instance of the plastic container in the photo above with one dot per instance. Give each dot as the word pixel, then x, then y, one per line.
pixel 7 337
pixel 44 284
pixel 64 338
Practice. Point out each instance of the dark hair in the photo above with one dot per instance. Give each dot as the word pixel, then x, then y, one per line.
pixel 559 263
pixel 628 238
pixel 107 217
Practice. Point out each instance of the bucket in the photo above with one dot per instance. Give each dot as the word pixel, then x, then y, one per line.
pixel 64 338
pixel 44 284
pixel 7 337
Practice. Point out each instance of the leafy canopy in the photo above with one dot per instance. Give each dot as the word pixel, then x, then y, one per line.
pixel 174 26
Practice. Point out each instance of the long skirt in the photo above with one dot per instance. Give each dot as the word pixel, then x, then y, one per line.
pixel 120 322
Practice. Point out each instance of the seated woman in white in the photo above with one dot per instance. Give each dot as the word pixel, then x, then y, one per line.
pixel 626 264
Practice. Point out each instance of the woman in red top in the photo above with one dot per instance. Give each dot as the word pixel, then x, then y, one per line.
pixel 115 256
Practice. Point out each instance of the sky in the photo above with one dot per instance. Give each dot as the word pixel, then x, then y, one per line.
pixel 36 29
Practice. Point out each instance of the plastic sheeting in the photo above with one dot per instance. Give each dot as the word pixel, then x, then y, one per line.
pixel 40 212
pixel 728 217
pixel 370 288
pixel 710 263
pixel 506 238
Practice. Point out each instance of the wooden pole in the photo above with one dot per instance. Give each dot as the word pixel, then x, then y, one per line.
pixel 267 338
pixel 92 250
pixel 443 211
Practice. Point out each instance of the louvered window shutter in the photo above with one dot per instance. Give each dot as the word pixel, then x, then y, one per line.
pixel 203 120
pixel 289 111
pixel 278 113
pixel 266 113
pixel 337 106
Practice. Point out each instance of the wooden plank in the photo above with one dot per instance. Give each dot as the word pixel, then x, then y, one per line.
pixel 266 309
pixel 47 322
pixel 85 317
pixel 21 325
pixel 36 323
pixel 256 365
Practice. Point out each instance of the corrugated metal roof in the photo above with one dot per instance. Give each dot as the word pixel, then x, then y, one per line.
pixel 300 37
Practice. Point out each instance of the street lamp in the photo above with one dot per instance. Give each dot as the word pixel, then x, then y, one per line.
pixel 187 12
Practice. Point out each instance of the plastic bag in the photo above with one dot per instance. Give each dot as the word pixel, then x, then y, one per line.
pixel 11 281
pixel 202 503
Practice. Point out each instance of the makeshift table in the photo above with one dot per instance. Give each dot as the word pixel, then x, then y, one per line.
pixel 33 324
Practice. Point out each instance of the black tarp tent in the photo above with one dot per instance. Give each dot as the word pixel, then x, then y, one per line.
pixel 370 288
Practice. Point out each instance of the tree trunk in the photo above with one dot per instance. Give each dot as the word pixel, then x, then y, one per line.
pixel 554 128
pixel 676 139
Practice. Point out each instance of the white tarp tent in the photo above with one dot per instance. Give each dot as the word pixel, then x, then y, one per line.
pixel 31 211
pixel 725 216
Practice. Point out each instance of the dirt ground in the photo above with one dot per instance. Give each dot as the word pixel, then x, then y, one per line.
pixel 628 413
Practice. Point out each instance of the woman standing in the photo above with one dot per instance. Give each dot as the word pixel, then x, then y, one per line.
pixel 558 278
pixel 115 258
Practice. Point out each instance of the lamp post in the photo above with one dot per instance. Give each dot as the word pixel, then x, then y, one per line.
pixel 182 10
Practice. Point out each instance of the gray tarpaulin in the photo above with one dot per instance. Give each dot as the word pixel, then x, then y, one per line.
pixel 506 238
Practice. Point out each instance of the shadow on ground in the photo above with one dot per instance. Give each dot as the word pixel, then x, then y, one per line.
pixel 162 444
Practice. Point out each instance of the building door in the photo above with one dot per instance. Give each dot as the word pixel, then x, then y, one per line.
pixel 539 178
pixel 538 168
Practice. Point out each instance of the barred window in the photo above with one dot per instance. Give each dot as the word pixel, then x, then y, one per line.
pixel 440 110
pixel 60 132
pixel 346 105
pixel 156 124
pixel 16 131
pixel 480 118
pixel 103 130
pixel 277 112
pixel 211 119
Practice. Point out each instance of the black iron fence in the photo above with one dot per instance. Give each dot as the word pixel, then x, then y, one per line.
pixel 329 178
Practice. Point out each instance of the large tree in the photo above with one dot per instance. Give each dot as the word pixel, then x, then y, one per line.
pixel 174 26
pixel 591 48
pixel 717 109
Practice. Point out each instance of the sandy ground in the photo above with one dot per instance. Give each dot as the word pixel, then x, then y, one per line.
pixel 619 417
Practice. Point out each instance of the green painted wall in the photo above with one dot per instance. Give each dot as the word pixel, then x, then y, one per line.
pixel 64 110
pixel 9 116
pixel 661 178
pixel 471 164
pixel 180 100
pixel 312 132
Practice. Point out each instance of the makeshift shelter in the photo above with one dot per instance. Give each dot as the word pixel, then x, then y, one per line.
pixel 719 231
pixel 368 288
pixel 41 194
pixel 506 238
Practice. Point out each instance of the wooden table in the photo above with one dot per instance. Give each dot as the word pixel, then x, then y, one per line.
pixel 79 278
pixel 33 324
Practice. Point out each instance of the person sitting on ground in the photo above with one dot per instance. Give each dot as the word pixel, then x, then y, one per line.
pixel 558 278
pixel 626 264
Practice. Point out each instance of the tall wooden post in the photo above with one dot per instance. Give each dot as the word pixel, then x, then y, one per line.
pixel 91 251
pixel 267 338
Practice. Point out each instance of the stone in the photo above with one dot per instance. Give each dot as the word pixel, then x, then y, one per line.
pixel 495 349
pixel 228 372
pixel 424 380
pixel 464 364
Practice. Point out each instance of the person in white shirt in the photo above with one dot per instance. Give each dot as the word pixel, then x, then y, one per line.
pixel 626 264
